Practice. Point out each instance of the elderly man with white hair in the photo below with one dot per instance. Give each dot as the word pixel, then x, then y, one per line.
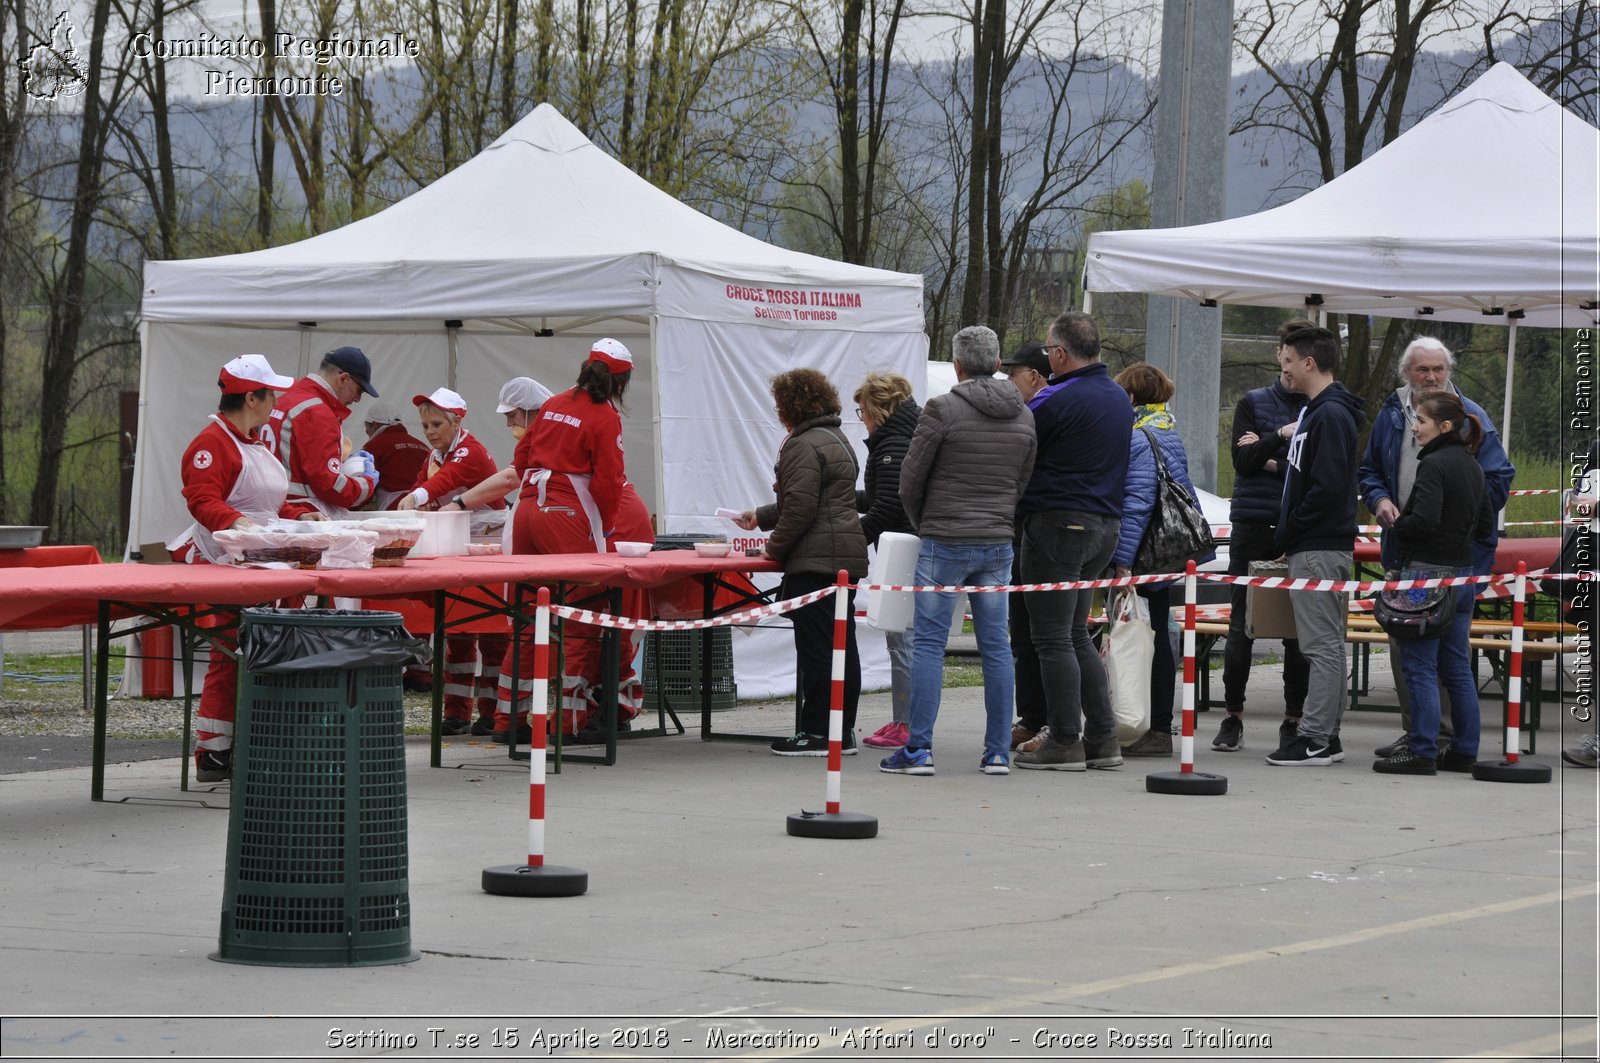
pixel 1389 469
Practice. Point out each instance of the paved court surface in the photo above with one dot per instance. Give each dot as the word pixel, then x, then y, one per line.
pixel 1327 912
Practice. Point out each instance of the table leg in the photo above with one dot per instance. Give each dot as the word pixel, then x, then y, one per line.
pixel 435 749
pixel 610 663
pixel 102 665
pixel 708 604
pixel 186 750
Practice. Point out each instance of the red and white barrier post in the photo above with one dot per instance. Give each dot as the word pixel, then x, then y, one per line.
pixel 1514 768
pixel 536 878
pixel 833 823
pixel 1186 780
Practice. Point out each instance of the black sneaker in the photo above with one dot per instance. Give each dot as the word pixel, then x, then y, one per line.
pixel 1303 751
pixel 214 765
pixel 524 736
pixel 483 725
pixel 1231 735
pixel 1287 731
pixel 1450 760
pixel 1388 750
pixel 809 745
pixel 454 725
pixel 1405 762
pixel 1335 749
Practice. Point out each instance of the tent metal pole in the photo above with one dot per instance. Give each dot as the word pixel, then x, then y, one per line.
pixel 140 459
pixel 1505 410
pixel 450 330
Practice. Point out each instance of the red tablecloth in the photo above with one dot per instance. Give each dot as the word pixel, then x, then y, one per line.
pixel 1538 553
pixel 612 570
pixel 49 557
pixel 67 596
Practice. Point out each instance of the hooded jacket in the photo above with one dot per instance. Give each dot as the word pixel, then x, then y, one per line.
pixel 1318 510
pixel 970 458
pixel 879 503
pixel 1447 509
pixel 1380 472
pixel 813 523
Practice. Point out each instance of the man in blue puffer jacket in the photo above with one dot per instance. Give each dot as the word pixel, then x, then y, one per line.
pixel 1390 467
pixel 1149 389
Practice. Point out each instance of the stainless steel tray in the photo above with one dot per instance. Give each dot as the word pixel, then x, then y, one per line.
pixel 20 536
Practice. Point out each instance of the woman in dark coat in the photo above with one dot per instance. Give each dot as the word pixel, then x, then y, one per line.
pixel 885 404
pixel 815 532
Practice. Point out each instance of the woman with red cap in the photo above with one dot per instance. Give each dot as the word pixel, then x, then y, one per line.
pixel 457 462
pixel 575 498
pixel 231 479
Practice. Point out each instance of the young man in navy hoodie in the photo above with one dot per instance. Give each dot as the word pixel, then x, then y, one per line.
pixel 1317 532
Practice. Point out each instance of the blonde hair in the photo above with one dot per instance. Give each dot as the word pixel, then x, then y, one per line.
pixel 881 394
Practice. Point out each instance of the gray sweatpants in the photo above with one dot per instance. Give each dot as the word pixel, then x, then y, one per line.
pixel 1319 618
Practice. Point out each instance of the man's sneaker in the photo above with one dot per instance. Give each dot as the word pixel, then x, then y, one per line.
pixel 1105 752
pixel 1335 749
pixel 908 762
pixel 1054 756
pixel 1450 760
pixel 1586 754
pixel 1230 736
pixel 1040 737
pixel 809 745
pixel 1021 733
pixel 1384 752
pixel 1287 731
pixel 889 736
pixel 995 764
pixel 455 725
pixel 213 765
pixel 1404 761
pixel 1303 751
pixel 1152 743
pixel 483 725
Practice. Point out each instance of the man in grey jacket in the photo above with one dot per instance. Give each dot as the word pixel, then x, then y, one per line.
pixel 970 458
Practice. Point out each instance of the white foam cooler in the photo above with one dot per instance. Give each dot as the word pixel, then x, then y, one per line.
pixel 895 563
pixel 446 534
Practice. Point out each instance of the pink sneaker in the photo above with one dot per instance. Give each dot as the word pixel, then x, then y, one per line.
pixel 889 736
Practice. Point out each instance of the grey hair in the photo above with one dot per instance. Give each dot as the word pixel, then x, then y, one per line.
pixel 1424 343
pixel 976 349
pixel 1076 331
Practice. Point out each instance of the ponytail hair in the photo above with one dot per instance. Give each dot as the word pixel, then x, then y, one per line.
pixel 1447 406
pixel 602 385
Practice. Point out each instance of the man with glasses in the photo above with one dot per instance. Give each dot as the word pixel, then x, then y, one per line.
pixel 307 424
pixel 1071 514
pixel 1029 369
pixel 1389 468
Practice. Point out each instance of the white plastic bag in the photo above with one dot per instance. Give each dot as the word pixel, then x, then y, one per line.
pixel 1127 648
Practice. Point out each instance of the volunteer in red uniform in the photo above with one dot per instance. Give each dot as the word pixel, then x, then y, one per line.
pixel 457 461
pixel 398 455
pixel 575 498
pixel 231 479
pixel 306 427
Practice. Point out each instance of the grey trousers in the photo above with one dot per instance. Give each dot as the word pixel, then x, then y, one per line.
pixel 1319 617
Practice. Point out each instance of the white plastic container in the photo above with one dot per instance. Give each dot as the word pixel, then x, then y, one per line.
pixel 446 534
pixel 894 563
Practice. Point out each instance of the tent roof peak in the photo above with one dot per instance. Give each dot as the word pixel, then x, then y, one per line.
pixel 544 128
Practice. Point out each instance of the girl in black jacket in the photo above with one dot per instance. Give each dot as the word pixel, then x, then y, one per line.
pixel 1447 509
pixel 887 409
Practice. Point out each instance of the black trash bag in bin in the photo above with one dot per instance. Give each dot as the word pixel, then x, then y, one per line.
pixel 307 640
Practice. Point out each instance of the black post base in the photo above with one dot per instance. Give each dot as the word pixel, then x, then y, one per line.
pixel 520 880
pixel 1192 783
pixel 1506 771
pixel 833 825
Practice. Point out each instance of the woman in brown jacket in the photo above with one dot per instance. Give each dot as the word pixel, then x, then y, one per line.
pixel 814 533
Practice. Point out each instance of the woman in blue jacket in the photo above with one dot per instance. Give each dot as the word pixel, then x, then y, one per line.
pixel 1149 389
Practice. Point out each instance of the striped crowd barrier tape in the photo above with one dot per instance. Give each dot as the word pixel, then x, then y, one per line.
pixel 748 616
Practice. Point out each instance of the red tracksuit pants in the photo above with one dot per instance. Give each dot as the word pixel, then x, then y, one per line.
pixel 472 673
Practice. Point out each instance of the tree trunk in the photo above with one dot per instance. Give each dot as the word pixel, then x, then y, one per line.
pixel 167 210
pixel 66 297
pixel 508 65
pixel 977 180
pixel 997 302
pixel 269 138
pixel 847 102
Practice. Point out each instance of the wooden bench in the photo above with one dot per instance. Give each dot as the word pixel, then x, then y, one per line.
pixel 1490 638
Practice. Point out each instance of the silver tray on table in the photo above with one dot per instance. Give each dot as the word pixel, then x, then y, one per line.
pixel 20 536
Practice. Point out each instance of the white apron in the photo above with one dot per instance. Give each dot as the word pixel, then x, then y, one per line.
pixel 258 493
pixel 580 487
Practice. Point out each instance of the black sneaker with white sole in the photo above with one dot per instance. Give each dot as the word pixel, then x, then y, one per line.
pixel 1304 751
pixel 213 765
pixel 809 745
pixel 1335 749
pixel 1230 736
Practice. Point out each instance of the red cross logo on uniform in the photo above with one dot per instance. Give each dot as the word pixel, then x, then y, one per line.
pixel 202 459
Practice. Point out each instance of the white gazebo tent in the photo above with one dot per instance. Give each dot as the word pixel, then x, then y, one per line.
pixel 513 264
pixel 1488 210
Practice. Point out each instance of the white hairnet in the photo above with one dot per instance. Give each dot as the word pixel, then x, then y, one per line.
pixel 522 393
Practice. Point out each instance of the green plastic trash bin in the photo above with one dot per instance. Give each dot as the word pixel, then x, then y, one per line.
pixel 318 863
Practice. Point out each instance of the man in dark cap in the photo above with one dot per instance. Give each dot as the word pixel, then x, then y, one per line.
pixel 307 426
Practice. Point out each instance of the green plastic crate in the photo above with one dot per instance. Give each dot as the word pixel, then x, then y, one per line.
pixel 672 670
pixel 318 865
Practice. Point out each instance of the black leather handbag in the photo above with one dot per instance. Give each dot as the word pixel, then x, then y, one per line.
pixel 1416 612
pixel 1177 532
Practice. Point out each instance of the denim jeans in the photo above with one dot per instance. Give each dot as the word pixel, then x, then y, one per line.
pixel 1429 663
pixel 955 564
pixel 899 675
pixel 1059 665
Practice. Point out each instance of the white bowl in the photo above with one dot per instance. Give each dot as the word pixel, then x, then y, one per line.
pixel 713 549
pixel 634 549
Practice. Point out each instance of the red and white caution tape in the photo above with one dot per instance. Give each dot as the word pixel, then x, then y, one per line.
pixel 628 623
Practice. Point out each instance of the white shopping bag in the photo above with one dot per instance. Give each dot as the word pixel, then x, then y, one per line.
pixel 1127 649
